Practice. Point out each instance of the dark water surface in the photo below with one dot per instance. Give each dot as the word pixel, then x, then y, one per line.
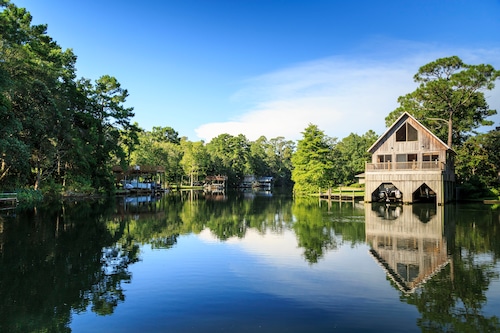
pixel 249 262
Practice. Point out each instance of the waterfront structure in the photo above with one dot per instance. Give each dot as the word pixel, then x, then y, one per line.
pixel 215 184
pixel 140 178
pixel 251 181
pixel 410 164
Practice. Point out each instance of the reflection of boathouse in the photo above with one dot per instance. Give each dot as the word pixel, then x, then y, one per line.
pixel 407 241
pixel 410 164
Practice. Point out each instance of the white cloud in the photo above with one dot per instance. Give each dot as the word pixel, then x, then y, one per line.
pixel 339 95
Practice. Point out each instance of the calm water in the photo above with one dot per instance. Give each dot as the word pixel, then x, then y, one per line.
pixel 249 262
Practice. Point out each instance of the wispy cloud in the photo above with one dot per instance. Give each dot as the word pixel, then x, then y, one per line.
pixel 338 94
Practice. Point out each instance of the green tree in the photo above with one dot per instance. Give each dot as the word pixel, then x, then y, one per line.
pixel 14 153
pixel 279 157
pixel 258 161
pixel 195 159
pixel 105 115
pixel 129 139
pixel 313 162
pixel 272 158
pixel 56 132
pixel 165 134
pixel 230 156
pixel 163 153
pixel 477 163
pixel 353 151
pixel 36 75
pixel 450 92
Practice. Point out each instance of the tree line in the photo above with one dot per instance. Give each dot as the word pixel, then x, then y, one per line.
pixel 57 131
pixel 188 163
pixel 63 134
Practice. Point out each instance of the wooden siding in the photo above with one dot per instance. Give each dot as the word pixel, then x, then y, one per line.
pixel 406 168
pixel 425 144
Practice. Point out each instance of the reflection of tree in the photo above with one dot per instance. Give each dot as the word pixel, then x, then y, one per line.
pixel 58 259
pixel 107 292
pixel 455 305
pixel 173 215
pixel 318 231
pixel 454 299
pixel 233 217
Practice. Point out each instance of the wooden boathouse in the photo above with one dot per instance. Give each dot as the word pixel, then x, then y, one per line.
pixel 215 184
pixel 8 201
pixel 410 164
pixel 140 178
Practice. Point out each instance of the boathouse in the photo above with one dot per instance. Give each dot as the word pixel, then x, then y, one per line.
pixel 140 178
pixel 215 184
pixel 410 164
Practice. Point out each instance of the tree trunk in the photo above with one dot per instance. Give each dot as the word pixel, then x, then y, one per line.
pixel 450 130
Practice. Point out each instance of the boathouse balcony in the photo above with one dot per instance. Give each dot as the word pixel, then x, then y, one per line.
pixel 414 165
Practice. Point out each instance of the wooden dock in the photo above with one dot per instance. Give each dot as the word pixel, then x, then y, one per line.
pixel 342 194
pixel 8 200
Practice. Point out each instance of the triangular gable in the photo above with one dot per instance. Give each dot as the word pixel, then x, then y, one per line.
pixel 400 121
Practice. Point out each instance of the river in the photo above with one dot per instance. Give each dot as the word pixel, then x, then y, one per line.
pixel 248 262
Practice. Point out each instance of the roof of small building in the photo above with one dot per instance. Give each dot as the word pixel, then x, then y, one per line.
pixel 404 116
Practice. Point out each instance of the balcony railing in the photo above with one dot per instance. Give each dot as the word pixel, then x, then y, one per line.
pixel 415 165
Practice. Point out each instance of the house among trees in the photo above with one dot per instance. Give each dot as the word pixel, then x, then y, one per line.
pixel 410 164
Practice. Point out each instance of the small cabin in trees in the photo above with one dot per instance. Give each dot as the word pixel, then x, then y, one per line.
pixel 410 164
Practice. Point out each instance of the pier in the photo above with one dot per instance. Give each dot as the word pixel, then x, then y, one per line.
pixel 342 194
pixel 8 200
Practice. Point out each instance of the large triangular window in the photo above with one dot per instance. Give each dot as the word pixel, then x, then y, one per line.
pixel 406 133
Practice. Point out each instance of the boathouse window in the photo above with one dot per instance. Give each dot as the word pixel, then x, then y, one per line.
pixel 406 133
pixel 406 157
pixel 384 158
pixel 427 157
pixel 430 160
pixel 406 161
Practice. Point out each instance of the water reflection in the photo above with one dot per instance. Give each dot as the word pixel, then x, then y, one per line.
pixel 61 261
pixel 58 259
pixel 444 259
pixel 407 241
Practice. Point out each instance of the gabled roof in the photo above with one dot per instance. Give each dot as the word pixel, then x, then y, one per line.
pixel 402 119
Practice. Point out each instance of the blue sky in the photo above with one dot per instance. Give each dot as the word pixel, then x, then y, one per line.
pixel 269 67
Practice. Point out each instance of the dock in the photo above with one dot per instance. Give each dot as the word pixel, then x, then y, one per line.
pixel 8 201
pixel 342 194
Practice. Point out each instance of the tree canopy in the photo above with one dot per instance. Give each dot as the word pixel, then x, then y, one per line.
pixel 57 131
pixel 451 102
pixel 451 93
pixel 313 165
